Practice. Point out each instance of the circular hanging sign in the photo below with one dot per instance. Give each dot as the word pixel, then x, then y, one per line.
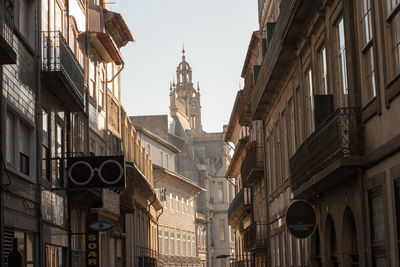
pixel 300 219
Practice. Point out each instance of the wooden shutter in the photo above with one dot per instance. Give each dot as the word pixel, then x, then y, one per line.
pixel 323 107
pixel 10 139
pixel 24 139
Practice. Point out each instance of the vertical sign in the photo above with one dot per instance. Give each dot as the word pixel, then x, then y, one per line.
pixel 92 242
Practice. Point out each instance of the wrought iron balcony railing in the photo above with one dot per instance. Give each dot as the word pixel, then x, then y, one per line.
pixel 240 206
pixel 253 165
pixel 62 71
pixel 339 136
pixel 241 263
pixel 256 236
pixel 7 53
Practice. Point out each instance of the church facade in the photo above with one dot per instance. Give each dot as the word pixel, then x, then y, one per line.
pixel 204 159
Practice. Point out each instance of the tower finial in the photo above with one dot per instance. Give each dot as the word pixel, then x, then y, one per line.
pixel 183 49
pixel 198 87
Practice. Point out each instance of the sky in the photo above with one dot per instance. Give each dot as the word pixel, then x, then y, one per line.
pixel 215 33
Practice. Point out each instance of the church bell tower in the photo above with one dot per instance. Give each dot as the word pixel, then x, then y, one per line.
pixel 184 98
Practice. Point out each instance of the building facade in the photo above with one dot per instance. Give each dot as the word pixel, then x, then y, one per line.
pixel 60 82
pixel 325 81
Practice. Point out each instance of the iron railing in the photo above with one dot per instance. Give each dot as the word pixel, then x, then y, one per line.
pixel 252 165
pixel 340 135
pixel 241 200
pixel 7 20
pixel 256 236
pixel 241 263
pixel 57 56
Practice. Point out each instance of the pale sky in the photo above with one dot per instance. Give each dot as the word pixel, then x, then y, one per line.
pixel 216 34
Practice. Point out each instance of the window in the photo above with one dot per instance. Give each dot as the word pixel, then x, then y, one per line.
pixel 101 90
pixel 166 242
pixel 92 77
pixel 397 196
pixel 17 144
pixel 177 203
pixel 167 160
pixel 172 244
pixel 10 139
pixel 110 76
pixel 310 101
pixel 220 192
pixel 24 149
pixel 183 205
pixel 187 206
pixel 159 239
pixel 193 246
pixel 24 19
pixel 170 201
pixel 341 57
pixel 178 244
pixel 162 158
pixel 394 22
pixel 369 86
pixel 378 230
pixel 45 145
pixel 26 246
pixel 221 230
pixel 323 81
pixel 149 150
pixel 184 245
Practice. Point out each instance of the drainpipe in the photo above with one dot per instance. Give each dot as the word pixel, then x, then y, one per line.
pixel 266 192
pixel 39 127
pixel 116 74
pixel 1 172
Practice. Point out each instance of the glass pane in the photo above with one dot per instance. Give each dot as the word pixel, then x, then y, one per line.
pixel 377 214
pixel 29 247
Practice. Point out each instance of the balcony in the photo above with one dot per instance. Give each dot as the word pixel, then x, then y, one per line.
pixel 240 207
pixel 244 105
pixel 240 263
pixel 61 72
pixel 256 236
pixel 253 165
pixel 7 53
pixel 329 154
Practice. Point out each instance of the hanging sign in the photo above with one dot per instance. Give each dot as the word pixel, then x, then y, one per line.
pixel 92 241
pixel 96 172
pixel 300 219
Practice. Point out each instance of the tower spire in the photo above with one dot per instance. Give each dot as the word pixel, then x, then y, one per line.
pixel 183 52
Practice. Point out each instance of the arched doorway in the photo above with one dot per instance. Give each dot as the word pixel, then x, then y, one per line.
pixel 330 243
pixel 316 249
pixel 349 240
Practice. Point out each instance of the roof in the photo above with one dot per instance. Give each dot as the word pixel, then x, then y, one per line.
pixel 157 168
pixel 157 138
pixel 255 37
pixel 234 118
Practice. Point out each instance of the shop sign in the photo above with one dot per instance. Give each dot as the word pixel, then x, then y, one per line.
pixel 96 172
pixel 300 219
pixel 92 241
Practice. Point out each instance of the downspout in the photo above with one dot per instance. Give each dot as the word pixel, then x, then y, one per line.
pixel 158 243
pixel 266 192
pixel 116 74
pixel 39 140
pixel 1 172
pixel 148 207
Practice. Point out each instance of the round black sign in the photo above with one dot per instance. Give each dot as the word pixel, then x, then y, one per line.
pixel 300 219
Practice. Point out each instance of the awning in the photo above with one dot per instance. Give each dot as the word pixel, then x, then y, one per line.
pixel 105 47
pixel 117 27
pixel 137 178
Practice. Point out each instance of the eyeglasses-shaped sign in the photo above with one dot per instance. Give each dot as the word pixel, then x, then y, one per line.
pixel 96 172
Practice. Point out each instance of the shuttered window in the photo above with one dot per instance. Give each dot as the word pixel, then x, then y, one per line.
pixel 10 139
pixel 24 148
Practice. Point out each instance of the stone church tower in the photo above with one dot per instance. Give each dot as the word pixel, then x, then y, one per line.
pixel 184 98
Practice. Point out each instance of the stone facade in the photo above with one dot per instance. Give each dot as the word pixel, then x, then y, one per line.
pixel 325 79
